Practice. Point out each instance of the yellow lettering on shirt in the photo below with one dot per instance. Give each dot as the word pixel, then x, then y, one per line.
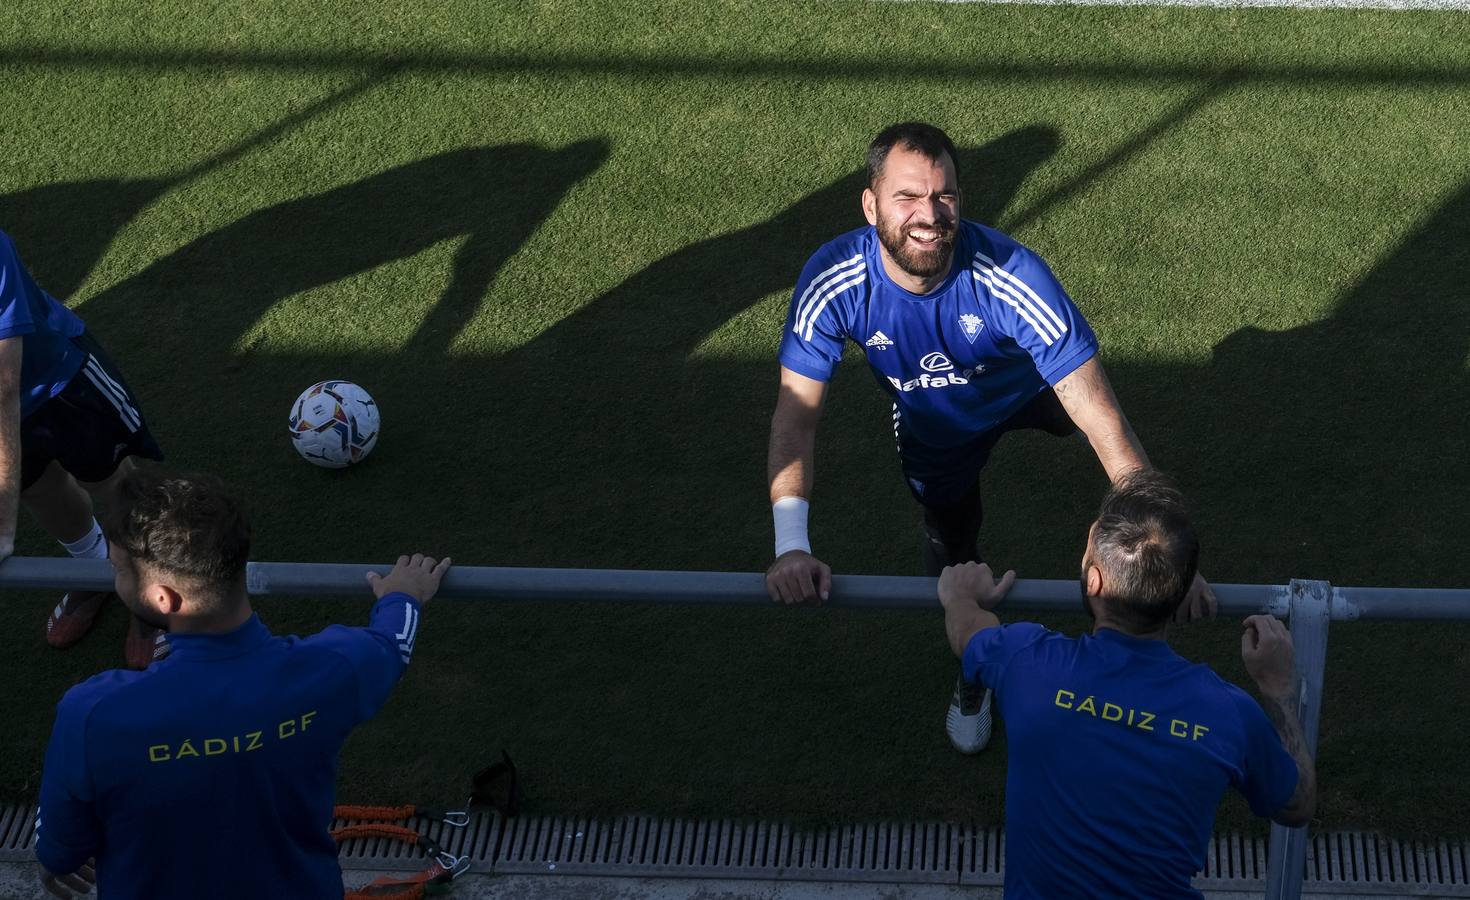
pixel 1128 716
pixel 244 742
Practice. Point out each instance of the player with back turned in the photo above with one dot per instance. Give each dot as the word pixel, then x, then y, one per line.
pixel 1119 749
pixel 213 772
pixel 970 334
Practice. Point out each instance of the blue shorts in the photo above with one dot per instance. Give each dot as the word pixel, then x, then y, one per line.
pixel 941 477
pixel 89 427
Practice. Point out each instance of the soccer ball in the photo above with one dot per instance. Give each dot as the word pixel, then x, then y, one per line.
pixel 334 424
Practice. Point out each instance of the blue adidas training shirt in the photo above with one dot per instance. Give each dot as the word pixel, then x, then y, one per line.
pixel 48 357
pixel 1119 754
pixel 957 361
pixel 212 773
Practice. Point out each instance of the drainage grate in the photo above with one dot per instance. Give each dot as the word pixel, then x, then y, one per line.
pixel 648 846
pixel 17 832
pixel 934 852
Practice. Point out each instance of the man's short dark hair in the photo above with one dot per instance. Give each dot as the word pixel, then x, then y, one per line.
pixel 1147 549
pixel 186 525
pixel 921 137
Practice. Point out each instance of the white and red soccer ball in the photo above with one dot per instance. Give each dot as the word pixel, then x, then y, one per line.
pixel 334 424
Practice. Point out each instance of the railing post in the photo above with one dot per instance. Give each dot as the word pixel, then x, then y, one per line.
pixel 1311 615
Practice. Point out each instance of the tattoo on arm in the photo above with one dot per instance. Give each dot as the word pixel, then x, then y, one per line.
pixel 1088 398
pixel 1283 717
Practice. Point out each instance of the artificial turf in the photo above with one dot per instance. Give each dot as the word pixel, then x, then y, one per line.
pixel 556 241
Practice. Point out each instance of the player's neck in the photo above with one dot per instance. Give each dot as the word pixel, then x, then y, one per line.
pixel 915 284
pixel 1158 634
pixel 238 614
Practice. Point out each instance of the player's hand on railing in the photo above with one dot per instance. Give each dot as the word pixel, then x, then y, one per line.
pixel 1198 604
pixel 798 577
pixel 67 886
pixel 1269 657
pixel 417 576
pixel 974 583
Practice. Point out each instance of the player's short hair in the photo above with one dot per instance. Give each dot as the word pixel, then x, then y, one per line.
pixel 1147 549
pixel 921 137
pixel 187 525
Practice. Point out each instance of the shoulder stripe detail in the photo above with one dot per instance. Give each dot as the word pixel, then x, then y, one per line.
pixel 1038 305
pixel 833 291
pixel 1005 296
pixel 808 301
pixel 4 277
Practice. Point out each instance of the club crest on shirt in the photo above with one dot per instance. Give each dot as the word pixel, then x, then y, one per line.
pixel 971 325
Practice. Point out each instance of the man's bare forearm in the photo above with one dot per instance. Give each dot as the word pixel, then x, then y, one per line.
pixel 9 456
pixel 9 475
pixel 1280 709
pixel 961 626
pixel 1088 398
pixel 789 460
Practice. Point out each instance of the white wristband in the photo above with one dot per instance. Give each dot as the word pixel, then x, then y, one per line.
pixel 790 516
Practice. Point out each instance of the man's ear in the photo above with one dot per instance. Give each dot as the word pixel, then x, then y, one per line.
pixel 870 206
pixel 1094 581
pixel 162 598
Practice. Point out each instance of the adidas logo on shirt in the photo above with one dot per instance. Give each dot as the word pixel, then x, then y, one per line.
pixel 879 340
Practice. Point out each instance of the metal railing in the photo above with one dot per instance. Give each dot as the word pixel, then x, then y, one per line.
pixel 1309 606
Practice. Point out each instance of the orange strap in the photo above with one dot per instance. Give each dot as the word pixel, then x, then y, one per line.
pixel 409 888
pixel 365 813
pixel 387 886
pixel 375 829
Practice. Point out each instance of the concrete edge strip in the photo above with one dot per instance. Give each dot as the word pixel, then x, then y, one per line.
pixel 894 852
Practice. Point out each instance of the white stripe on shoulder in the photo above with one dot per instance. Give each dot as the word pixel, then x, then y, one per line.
pixel 1007 297
pixel 4 275
pixel 1018 300
pixel 817 285
pixel 1038 304
pixel 833 291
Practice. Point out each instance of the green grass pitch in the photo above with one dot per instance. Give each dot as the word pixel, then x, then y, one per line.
pixel 556 240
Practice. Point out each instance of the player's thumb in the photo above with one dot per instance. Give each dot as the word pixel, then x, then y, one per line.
pixel 1006 580
pixel 1248 638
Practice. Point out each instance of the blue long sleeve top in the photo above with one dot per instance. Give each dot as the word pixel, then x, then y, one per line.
pixel 212 773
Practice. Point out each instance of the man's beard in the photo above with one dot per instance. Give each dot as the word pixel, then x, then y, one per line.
pixel 924 263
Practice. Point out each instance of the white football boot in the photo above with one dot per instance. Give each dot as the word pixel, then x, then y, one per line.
pixel 968 720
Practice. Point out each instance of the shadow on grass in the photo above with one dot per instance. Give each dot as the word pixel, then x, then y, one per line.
pixel 1335 449
pixel 64 228
pixel 666 65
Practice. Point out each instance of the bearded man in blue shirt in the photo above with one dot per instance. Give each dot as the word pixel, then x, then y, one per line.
pixel 970 334
pixel 1120 750
pixel 212 773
